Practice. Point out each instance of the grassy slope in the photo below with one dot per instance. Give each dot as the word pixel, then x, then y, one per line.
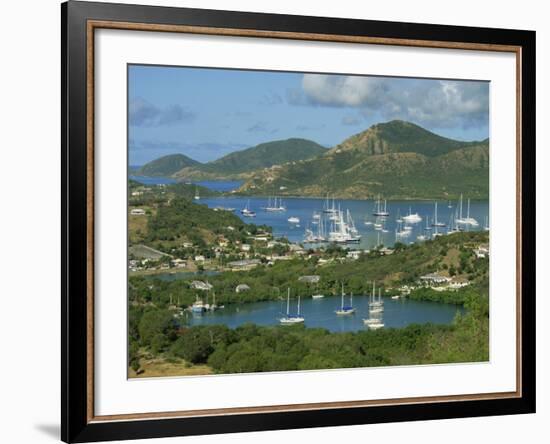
pixel 397 159
pixel 166 166
pixel 254 158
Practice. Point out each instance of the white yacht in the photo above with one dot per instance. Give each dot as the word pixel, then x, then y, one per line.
pixel 466 220
pixel 412 218
pixel 247 212
pixel 291 319
pixel 436 222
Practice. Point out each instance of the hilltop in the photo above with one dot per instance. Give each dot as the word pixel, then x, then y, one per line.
pixel 166 166
pixel 397 159
pixel 238 164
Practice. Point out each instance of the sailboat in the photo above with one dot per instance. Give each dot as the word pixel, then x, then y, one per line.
pixel 275 205
pixel 486 227
pixel 372 320
pixel 428 226
pixel 291 319
pixel 198 306
pixel 379 211
pixel 399 218
pixel 436 222
pixel 467 220
pixel 351 225
pixel 377 305
pixel 309 237
pixel 329 209
pixel 197 197
pixel 421 237
pixel 342 232
pixel 246 211
pixel 316 218
pixel 346 309
pixel 401 232
pixel 412 218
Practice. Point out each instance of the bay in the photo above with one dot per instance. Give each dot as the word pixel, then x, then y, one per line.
pixel 320 313
pixel 360 210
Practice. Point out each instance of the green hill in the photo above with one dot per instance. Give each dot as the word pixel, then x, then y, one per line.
pixel 397 159
pixel 268 154
pixel 251 159
pixel 166 166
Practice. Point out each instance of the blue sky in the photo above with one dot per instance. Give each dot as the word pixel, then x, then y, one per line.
pixel 207 113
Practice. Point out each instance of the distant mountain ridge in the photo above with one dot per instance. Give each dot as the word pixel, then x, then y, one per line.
pixel 166 166
pixel 396 159
pixel 237 164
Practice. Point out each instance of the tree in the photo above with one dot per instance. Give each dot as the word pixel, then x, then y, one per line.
pixel 156 322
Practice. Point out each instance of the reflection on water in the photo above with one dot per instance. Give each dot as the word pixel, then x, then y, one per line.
pixel 320 313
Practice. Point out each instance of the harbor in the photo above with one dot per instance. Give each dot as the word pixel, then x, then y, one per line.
pixel 321 313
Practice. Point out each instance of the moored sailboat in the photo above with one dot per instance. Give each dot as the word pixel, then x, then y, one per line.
pixel 291 319
pixel 346 309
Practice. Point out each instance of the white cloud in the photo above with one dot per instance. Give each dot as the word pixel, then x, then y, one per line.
pixel 433 103
pixel 144 114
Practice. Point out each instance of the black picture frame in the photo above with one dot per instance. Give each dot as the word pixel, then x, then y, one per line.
pixel 76 423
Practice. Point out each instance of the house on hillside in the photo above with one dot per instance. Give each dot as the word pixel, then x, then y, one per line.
pixel 434 278
pixel 245 264
pixel 313 279
pixel 241 287
pixel 137 212
pixel 200 285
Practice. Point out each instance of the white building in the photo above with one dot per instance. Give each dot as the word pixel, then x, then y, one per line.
pixel 200 285
pixel 434 278
pixel 241 287
pixel 354 254
pixel 137 212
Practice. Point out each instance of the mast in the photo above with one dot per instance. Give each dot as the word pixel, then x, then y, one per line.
pixel 298 305
pixel 468 214
pixel 288 302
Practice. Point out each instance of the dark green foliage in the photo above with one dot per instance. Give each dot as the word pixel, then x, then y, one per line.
pixel 257 157
pixel 404 266
pixel 396 159
pixel 194 221
pixel 298 348
pixel 265 155
pixel 196 344
pixel 166 166
pixel 154 323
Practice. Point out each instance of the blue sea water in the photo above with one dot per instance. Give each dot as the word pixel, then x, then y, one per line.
pixel 320 313
pixel 360 210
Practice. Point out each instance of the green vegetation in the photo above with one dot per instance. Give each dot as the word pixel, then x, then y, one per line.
pixel 157 330
pixel 166 166
pixel 403 267
pixel 235 164
pixel 398 160
pixel 266 155
pixel 251 348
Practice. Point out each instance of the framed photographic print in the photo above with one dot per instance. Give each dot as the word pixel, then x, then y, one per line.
pixel 276 221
